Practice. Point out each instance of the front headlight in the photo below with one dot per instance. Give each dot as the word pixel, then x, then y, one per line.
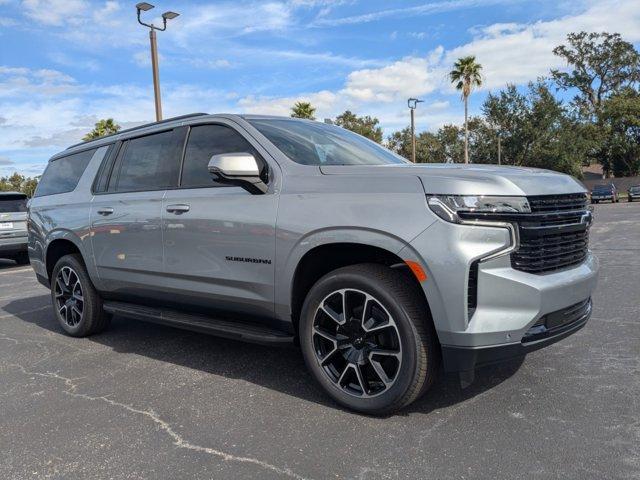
pixel 452 207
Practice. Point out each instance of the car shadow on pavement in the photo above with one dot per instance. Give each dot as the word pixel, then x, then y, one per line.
pixel 6 264
pixel 278 368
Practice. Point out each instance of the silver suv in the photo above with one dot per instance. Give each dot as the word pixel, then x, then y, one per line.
pixel 13 226
pixel 284 231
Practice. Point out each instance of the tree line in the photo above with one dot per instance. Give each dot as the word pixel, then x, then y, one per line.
pixel 533 126
pixel 19 183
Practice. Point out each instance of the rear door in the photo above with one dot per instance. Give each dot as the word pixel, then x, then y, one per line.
pixel 219 240
pixel 126 216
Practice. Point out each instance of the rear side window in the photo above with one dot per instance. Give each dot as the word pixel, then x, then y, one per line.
pixel 62 174
pixel 149 163
pixel 13 203
pixel 204 142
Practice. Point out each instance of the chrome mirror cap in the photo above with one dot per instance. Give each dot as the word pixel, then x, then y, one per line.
pixel 234 165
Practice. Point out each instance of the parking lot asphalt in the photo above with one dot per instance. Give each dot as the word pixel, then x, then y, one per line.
pixel 147 401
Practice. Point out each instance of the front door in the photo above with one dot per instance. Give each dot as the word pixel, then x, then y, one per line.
pixel 219 240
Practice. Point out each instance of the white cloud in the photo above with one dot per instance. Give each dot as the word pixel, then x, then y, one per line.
pixel 55 12
pixel 408 77
pixel 518 53
pixel 404 12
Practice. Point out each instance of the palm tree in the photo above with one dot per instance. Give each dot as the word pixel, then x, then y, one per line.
pixel 466 75
pixel 303 110
pixel 102 127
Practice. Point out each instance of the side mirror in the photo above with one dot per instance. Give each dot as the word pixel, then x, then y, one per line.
pixel 238 169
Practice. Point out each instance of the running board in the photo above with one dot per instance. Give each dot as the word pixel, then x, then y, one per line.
pixel 199 323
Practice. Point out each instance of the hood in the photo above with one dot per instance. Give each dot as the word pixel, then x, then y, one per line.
pixel 475 179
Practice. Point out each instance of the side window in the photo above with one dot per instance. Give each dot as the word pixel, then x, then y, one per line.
pixel 204 142
pixel 149 163
pixel 62 174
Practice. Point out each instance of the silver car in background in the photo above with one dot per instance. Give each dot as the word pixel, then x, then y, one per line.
pixel 13 226
pixel 285 231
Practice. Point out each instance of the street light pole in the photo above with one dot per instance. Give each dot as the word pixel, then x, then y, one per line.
pixel 145 7
pixel 499 149
pixel 156 73
pixel 413 103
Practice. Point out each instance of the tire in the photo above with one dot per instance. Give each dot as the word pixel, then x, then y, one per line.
pixel 21 258
pixel 398 326
pixel 76 303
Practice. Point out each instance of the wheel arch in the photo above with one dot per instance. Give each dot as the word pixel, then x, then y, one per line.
pixel 322 257
pixel 60 243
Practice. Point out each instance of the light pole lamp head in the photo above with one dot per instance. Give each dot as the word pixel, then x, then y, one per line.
pixel 169 15
pixel 144 6
pixel 413 103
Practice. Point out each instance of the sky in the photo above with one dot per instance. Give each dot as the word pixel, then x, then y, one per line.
pixel 64 64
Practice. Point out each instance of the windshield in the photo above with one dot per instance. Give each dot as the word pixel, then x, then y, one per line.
pixel 314 143
pixel 602 188
pixel 13 203
pixel 635 188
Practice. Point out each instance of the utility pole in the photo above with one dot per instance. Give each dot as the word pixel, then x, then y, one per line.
pixel 145 7
pixel 499 149
pixel 412 104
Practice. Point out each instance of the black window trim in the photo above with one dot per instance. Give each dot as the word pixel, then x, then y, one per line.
pixel 102 177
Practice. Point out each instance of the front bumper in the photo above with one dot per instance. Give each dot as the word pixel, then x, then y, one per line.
pixel 466 359
pixel 509 302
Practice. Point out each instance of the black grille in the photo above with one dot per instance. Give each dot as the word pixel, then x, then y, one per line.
pixel 558 203
pixel 553 236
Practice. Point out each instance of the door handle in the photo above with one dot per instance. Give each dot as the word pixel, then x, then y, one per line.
pixel 105 211
pixel 178 209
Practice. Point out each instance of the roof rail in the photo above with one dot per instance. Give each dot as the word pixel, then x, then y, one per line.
pixel 167 120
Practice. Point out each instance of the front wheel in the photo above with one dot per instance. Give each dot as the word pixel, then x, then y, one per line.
pixel 368 339
pixel 76 303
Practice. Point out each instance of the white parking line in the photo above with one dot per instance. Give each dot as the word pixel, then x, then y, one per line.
pixel 7 272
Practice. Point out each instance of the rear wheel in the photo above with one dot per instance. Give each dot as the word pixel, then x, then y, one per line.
pixel 76 302
pixel 367 338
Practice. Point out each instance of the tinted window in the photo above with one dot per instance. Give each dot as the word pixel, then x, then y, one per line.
pixel 204 142
pixel 13 203
pixel 315 143
pixel 62 175
pixel 149 163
